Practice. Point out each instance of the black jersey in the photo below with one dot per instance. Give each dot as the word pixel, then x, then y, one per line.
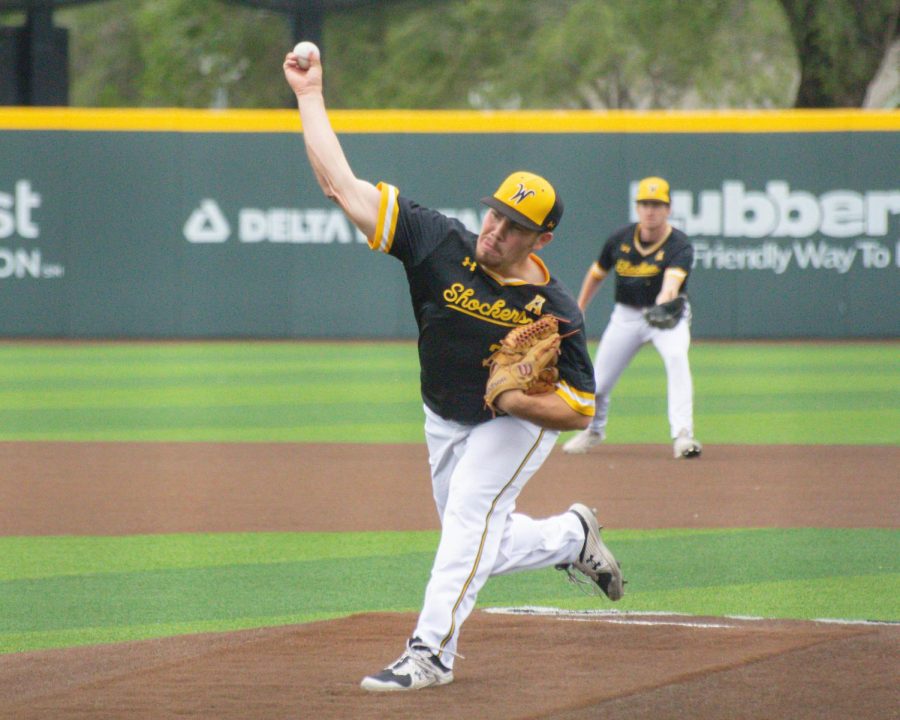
pixel 639 269
pixel 462 310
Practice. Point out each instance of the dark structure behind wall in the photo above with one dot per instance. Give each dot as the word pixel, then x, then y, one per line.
pixel 34 55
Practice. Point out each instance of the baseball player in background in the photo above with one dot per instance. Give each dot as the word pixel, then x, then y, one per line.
pixel 467 291
pixel 651 261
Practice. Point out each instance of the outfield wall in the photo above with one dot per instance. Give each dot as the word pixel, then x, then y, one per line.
pixel 178 223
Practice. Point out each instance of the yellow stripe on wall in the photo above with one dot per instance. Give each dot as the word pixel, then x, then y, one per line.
pixel 452 121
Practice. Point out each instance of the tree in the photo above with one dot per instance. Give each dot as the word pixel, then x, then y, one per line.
pixel 488 54
pixel 840 45
pixel 176 53
pixel 563 54
pixel 671 54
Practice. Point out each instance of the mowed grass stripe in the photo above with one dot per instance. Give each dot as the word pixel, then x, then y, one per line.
pixel 835 427
pixel 211 594
pixel 231 393
pixel 795 403
pixel 850 596
pixel 90 351
pixel 199 372
pixel 35 557
pixel 382 432
pixel 247 415
pixel 197 362
pixel 800 355
pixel 864 427
pixel 320 386
pixel 45 640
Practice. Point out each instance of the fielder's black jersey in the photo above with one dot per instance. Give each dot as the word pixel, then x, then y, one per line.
pixel 463 310
pixel 639 269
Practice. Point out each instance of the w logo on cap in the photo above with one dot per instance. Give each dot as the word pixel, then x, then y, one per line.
pixel 528 200
pixel 653 188
pixel 521 194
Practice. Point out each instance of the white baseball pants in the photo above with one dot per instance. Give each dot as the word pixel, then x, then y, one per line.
pixel 477 472
pixel 626 332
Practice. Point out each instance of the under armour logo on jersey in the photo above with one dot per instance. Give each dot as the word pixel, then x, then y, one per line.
pixel 660 255
pixel 469 263
pixel 521 194
pixel 625 248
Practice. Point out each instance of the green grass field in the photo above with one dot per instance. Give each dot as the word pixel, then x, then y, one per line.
pixel 757 393
pixel 61 591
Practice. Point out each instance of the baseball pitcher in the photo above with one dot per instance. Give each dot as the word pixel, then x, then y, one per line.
pixel 504 368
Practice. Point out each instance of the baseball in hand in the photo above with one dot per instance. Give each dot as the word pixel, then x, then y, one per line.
pixel 303 50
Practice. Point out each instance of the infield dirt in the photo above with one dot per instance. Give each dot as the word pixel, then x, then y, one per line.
pixel 569 667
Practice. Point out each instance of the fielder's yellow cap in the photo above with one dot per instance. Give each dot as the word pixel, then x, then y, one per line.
pixel 529 200
pixel 653 188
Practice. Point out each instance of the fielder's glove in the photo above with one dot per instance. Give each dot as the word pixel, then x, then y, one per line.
pixel 666 315
pixel 526 360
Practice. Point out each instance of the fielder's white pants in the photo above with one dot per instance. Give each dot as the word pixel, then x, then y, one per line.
pixel 626 332
pixel 477 472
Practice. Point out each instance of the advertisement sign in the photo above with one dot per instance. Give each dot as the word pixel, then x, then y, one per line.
pixel 227 234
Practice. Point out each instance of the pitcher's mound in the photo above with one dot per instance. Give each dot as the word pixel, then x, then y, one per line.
pixel 566 667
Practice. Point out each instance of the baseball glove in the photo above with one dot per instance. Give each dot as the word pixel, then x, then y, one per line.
pixel 526 360
pixel 666 315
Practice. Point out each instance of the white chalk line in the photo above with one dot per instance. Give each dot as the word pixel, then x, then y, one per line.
pixel 639 617
pixel 625 621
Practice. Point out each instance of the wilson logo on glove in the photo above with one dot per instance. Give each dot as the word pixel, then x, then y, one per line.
pixel 526 360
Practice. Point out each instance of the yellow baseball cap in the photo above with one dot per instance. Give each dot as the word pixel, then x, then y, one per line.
pixel 529 200
pixel 653 188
